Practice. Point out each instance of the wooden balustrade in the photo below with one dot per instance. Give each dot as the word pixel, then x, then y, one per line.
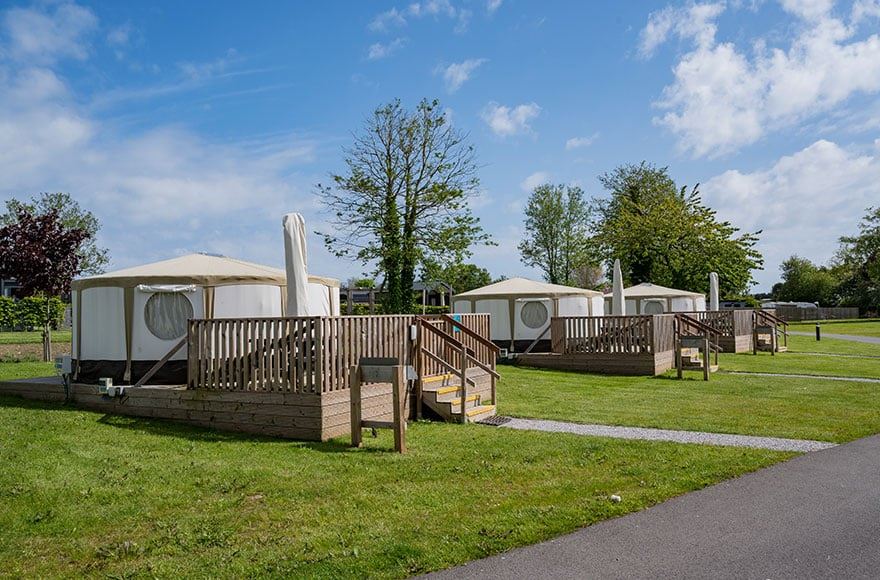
pixel 612 334
pixel 310 354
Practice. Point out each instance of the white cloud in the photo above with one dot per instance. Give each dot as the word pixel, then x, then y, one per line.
pixel 578 142
pixel 459 73
pixel 197 71
pixel 695 21
pixel 43 36
pixel 506 121
pixel 119 36
pixel 493 5
pixel 382 22
pixel 722 98
pixel 803 202
pixel 378 50
pixel 396 18
pixel 534 180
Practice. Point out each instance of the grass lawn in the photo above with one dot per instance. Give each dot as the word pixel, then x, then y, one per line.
pixel 783 407
pixel 35 337
pixel 858 327
pixel 90 494
pixel 832 346
pixel 797 362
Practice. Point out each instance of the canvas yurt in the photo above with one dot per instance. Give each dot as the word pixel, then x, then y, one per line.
pixel 520 309
pixel 125 321
pixel 650 298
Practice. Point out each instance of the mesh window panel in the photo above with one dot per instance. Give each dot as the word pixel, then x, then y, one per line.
pixel 166 314
pixel 534 314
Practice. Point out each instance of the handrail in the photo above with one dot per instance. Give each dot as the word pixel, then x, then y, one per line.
pixel 772 318
pixel 470 332
pixel 444 364
pixel 483 366
pixel 443 334
pixel 697 324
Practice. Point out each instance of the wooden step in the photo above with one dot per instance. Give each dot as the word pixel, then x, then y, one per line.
pixel 433 379
pixel 480 413
pixel 699 367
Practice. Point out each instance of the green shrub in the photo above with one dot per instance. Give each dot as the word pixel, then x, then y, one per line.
pixel 29 313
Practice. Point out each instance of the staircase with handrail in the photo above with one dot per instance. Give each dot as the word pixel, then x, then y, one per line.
pixel 766 330
pixel 456 376
pixel 695 342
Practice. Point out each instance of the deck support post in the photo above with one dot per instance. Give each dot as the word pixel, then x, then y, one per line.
pixel 464 393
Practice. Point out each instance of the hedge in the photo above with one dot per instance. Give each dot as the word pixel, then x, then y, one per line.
pixel 30 313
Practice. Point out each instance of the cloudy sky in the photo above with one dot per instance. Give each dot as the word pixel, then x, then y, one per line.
pixel 194 126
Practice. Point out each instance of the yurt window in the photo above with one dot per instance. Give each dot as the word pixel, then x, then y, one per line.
pixel 166 314
pixel 534 314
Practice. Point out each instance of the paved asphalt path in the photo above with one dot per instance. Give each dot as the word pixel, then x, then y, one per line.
pixel 852 337
pixel 816 516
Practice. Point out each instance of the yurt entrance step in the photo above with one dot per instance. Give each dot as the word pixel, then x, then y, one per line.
pixel 442 396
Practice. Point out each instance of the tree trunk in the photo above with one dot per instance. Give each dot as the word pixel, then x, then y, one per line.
pixel 47 332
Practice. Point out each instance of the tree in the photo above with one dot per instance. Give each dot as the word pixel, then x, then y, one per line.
pixel 39 251
pixel 858 264
pixel 556 232
pixel 803 281
pixel 403 199
pixel 461 277
pixel 93 258
pixel 665 235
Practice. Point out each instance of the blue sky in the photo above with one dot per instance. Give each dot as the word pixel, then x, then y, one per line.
pixel 194 126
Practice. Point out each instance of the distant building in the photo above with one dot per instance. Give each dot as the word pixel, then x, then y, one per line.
pixel 9 287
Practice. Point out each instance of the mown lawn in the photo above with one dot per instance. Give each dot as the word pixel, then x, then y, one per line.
pixel 804 362
pixel 858 327
pixel 793 407
pixel 36 337
pixel 89 494
pixel 831 346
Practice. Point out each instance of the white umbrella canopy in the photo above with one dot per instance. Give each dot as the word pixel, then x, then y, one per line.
pixel 296 265
pixel 618 304
pixel 713 292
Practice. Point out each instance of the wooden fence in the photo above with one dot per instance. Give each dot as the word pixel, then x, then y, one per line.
pixel 306 354
pixel 794 313
pixel 612 334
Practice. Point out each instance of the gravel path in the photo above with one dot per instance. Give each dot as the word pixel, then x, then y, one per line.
pixel 798 376
pixel 774 443
pixel 852 337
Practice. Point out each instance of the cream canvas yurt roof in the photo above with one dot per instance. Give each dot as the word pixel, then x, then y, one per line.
pixel 202 269
pixel 648 290
pixel 523 287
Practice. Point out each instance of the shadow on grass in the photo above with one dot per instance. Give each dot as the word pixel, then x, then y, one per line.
pixel 177 429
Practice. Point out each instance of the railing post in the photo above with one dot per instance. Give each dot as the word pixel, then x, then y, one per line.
pixel 354 385
pixel 463 384
pixel 420 366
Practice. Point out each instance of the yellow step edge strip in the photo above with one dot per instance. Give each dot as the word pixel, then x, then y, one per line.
pixel 446 390
pixel 436 378
pixel 480 410
pixel 458 400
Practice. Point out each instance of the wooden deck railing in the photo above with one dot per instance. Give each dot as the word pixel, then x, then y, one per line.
pixel 728 323
pixel 612 334
pixel 304 354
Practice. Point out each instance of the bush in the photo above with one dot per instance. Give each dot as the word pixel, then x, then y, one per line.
pixel 30 313
pixel 7 312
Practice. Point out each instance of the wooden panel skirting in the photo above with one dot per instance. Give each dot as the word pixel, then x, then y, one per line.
pixel 637 364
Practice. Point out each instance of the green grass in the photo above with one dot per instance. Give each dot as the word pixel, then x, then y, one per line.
pixel 860 327
pixel 769 406
pixel 35 337
pixel 798 362
pixel 90 494
pixel 832 346
pixel 23 370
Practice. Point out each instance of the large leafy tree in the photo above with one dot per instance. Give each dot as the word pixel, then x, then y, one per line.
pixel 403 199
pixel 803 281
pixel 42 253
pixel 556 233
pixel 93 258
pixel 461 277
pixel 665 235
pixel 858 261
